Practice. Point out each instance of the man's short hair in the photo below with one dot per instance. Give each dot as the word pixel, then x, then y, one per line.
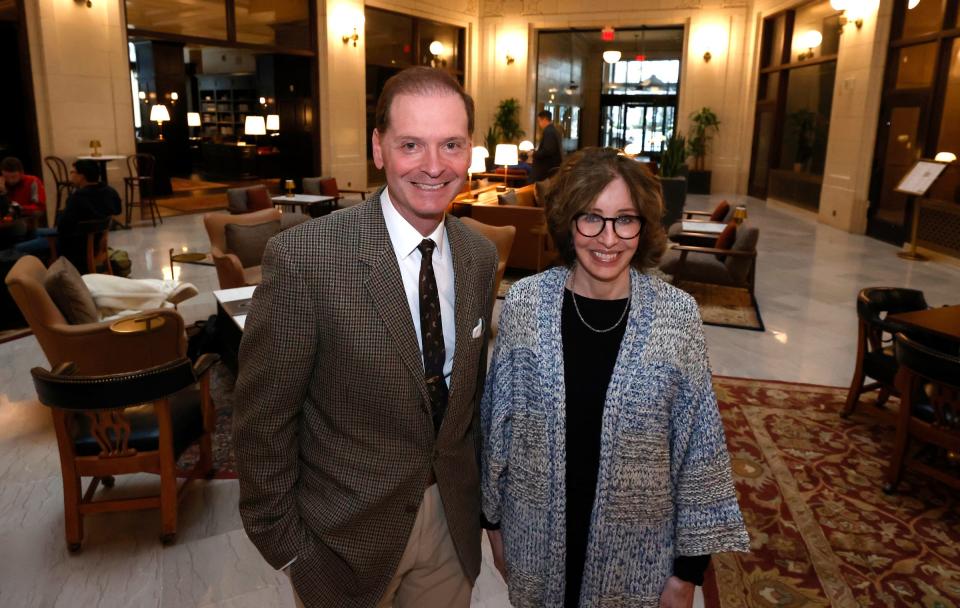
pixel 11 164
pixel 420 80
pixel 88 169
pixel 545 114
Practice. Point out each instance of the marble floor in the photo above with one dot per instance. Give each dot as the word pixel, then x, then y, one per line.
pixel 807 280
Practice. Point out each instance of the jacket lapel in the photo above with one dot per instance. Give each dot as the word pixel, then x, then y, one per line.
pixel 467 307
pixel 385 288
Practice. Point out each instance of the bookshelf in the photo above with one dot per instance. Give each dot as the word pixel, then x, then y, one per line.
pixel 225 101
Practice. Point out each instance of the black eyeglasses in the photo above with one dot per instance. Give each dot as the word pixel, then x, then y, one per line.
pixel 624 226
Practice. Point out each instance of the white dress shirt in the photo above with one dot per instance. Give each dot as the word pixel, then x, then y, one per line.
pixel 405 239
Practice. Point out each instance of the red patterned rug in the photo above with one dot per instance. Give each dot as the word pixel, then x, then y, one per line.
pixel 822 531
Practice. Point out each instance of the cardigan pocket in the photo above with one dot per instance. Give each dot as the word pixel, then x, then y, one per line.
pixel 639 484
pixel 528 470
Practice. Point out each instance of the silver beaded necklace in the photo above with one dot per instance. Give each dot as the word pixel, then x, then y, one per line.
pixel 591 327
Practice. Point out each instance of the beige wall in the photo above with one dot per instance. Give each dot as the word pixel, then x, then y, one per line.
pixel 81 81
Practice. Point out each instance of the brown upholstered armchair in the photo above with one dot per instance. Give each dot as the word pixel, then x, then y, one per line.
pixel 502 237
pixel 532 247
pixel 94 347
pixel 230 270
pixel 702 265
pixel 327 186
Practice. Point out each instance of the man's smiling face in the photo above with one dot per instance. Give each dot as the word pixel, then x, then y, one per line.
pixel 424 153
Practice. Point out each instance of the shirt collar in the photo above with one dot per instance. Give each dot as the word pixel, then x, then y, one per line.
pixel 404 237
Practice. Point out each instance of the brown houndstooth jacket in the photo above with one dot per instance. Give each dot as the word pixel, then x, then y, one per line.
pixel 332 430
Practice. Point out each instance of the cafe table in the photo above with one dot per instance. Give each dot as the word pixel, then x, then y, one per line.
pixel 943 321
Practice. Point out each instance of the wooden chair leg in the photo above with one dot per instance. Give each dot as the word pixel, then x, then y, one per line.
pixel 853 395
pixel 897 460
pixel 72 519
pixel 168 475
pixel 883 396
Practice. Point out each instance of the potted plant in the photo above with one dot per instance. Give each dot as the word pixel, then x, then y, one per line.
pixel 803 124
pixel 490 142
pixel 704 125
pixel 507 121
pixel 672 180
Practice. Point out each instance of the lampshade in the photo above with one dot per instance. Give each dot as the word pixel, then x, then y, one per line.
pixel 273 122
pixel 437 48
pixel 506 154
pixel 477 163
pixel 739 214
pixel 159 113
pixel 193 119
pixel 633 148
pixel 254 125
pixel 945 157
pixel 611 56
pixel 525 145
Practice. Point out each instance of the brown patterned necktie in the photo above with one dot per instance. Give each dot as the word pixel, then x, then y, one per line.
pixel 431 331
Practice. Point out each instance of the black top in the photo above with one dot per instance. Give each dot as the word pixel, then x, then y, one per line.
pixel 589 358
pixel 549 154
pixel 95 202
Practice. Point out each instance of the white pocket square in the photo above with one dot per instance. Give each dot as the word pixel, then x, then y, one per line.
pixel 478 329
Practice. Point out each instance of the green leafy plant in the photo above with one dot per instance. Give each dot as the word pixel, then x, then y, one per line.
pixel 803 125
pixel 704 125
pixel 507 121
pixel 674 156
pixel 491 138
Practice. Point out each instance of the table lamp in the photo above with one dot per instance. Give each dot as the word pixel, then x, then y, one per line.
pixel 739 214
pixel 273 123
pixel 95 147
pixel 478 163
pixel 506 155
pixel 159 115
pixel 525 146
pixel 254 125
pixel 288 185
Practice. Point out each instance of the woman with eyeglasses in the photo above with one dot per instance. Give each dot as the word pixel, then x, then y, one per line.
pixel 606 479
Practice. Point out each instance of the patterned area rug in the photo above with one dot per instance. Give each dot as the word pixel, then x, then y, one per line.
pixel 224 464
pixel 180 184
pixel 725 306
pixel 822 531
pixel 182 205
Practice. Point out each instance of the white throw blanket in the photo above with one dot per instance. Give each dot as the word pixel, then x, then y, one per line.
pixel 119 296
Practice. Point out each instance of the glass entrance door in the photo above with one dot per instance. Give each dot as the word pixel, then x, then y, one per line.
pixel 646 122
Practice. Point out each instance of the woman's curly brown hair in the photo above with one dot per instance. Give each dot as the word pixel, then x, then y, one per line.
pixel 579 182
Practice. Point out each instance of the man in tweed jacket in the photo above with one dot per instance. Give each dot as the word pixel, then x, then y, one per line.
pixel 341 469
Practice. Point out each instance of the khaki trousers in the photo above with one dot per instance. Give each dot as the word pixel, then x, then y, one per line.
pixel 429 574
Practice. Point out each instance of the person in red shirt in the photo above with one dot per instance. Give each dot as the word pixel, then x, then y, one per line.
pixel 25 190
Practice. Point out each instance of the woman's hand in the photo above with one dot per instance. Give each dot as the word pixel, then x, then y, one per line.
pixel 677 594
pixel 496 544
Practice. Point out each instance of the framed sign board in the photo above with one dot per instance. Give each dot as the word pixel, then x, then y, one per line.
pixel 920 177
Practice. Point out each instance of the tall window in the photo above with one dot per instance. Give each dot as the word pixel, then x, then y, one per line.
pixel 798 67
pixel 921 100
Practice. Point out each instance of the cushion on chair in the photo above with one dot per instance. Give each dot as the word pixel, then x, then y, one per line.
pixel 258 198
pixel 507 198
pixel 248 242
pixel 726 239
pixel 185 415
pixel 526 197
pixel 698 267
pixel 720 212
pixel 328 187
pixel 237 200
pixel 71 295
pixel 540 191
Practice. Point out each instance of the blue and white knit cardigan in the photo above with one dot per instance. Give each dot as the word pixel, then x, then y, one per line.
pixel 664 486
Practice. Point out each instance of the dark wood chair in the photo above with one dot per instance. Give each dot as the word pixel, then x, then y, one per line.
pixel 132 422
pixel 61 176
pixel 141 169
pixel 875 357
pixel 97 251
pixel 929 385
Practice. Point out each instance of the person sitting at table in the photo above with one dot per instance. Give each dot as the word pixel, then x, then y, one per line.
pixel 22 189
pixel 524 165
pixel 92 200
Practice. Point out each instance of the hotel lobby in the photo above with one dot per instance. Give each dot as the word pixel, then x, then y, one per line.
pixel 824 112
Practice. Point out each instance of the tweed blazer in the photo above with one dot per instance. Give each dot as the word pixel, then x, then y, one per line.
pixel 664 486
pixel 332 428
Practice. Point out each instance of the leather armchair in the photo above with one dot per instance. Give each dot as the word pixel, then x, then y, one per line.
pixel 702 265
pixel 230 270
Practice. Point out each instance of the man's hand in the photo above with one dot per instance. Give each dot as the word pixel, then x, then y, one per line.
pixel 496 544
pixel 677 594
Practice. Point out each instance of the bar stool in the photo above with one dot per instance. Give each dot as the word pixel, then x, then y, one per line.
pixel 61 175
pixel 141 170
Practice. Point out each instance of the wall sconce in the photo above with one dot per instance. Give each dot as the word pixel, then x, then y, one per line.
pixel 846 10
pixel 142 95
pixel 611 56
pixel 354 36
pixel 510 59
pixel 707 56
pixel 159 115
pixel 437 51
pixel 810 39
pixel 86 3
pixel 172 97
pixel 709 40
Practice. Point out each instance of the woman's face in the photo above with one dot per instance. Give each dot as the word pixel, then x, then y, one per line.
pixel 605 258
